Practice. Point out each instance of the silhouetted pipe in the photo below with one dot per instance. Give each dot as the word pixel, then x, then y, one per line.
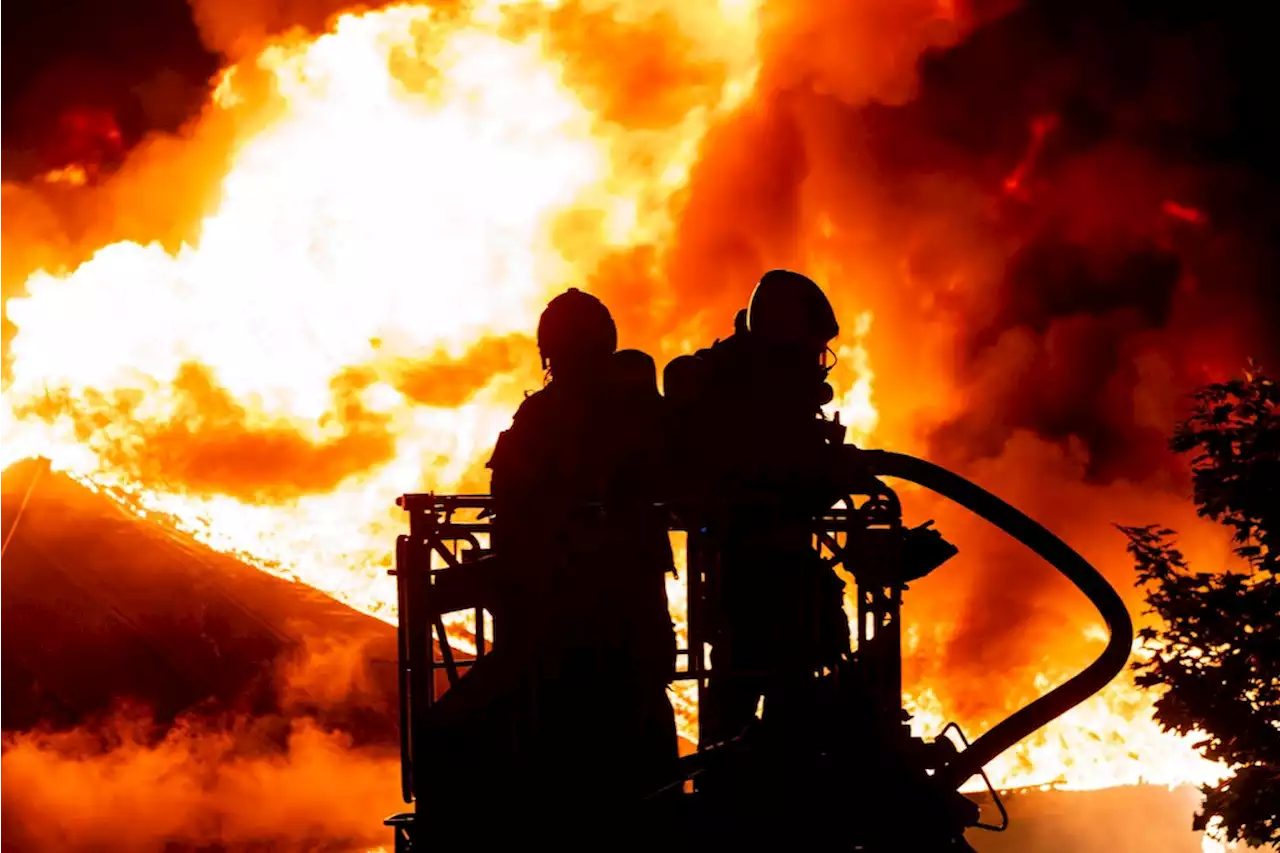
pixel 1057 553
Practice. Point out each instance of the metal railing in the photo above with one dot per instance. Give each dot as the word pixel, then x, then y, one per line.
pixel 448 538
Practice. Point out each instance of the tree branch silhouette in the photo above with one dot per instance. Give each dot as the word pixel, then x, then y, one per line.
pixel 1214 652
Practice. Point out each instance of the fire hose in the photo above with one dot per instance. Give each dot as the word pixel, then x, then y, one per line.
pixel 1058 554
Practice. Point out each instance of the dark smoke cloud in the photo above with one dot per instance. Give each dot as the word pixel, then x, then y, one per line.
pixel 1072 188
pixel 1128 234
pixel 1121 262
pixel 140 61
pixel 1067 209
pixel 1063 223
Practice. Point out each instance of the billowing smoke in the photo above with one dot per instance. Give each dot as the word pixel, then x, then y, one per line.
pixel 1060 225
pixel 246 785
pixel 319 773
pixel 89 82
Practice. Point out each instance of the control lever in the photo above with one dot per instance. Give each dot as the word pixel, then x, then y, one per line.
pixel 995 796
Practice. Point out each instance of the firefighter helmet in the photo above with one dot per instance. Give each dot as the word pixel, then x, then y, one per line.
pixel 636 370
pixel 789 309
pixel 575 327
pixel 683 379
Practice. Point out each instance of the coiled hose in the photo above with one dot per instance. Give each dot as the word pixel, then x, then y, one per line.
pixel 1053 550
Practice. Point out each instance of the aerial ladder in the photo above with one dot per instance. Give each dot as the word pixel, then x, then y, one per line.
pixel 857 768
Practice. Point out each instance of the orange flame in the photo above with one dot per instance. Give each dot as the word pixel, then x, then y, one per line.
pixel 411 187
pixel 73 175
pixel 1110 739
pixel 402 196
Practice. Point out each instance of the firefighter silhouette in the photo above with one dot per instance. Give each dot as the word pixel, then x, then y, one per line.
pixel 748 438
pixel 574 482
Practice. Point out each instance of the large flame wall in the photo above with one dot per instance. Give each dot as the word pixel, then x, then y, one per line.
pixel 318 295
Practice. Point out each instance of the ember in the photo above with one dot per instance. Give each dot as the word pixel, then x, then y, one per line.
pixel 1040 128
pixel 86 140
pixel 1186 214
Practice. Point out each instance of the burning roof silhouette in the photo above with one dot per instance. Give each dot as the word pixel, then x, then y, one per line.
pixel 101 606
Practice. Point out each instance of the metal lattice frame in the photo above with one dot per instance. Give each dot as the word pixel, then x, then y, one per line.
pixel 449 533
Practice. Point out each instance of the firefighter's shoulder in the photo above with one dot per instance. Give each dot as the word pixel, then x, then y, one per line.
pixel 530 415
pixel 535 407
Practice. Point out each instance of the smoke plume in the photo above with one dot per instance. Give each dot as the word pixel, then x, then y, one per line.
pixel 1059 222
pixel 246 785
pixel 319 773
